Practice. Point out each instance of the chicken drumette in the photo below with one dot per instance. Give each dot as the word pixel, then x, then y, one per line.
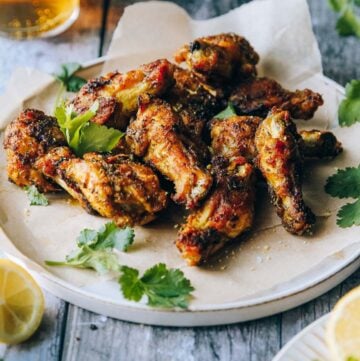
pixel 319 144
pixel 224 57
pixel 279 159
pixel 156 135
pixel 112 186
pixel 118 93
pixel 315 144
pixel 31 135
pixel 228 211
pixel 256 96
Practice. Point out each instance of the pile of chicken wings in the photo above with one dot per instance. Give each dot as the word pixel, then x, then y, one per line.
pixel 176 150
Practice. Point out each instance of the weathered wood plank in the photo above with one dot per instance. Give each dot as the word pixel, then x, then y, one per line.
pixel 79 43
pixel 91 336
pixel 46 343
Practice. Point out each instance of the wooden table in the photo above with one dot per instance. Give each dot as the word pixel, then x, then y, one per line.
pixel 71 333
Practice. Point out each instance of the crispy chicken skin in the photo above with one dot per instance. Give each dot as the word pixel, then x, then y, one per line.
pixel 320 144
pixel 156 136
pixel 237 133
pixel 194 101
pixel 279 160
pixel 226 213
pixel 112 186
pixel 31 135
pixel 220 57
pixel 257 96
pixel 118 93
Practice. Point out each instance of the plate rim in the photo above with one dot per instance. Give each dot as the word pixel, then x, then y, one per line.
pixel 287 347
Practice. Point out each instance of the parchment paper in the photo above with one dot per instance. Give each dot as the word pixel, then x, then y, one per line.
pixel 270 257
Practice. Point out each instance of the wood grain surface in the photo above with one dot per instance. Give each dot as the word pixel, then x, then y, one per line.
pixel 70 333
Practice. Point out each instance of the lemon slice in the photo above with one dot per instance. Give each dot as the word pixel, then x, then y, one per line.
pixel 21 303
pixel 343 329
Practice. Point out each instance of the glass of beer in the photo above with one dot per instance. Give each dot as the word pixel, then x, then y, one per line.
pixel 24 19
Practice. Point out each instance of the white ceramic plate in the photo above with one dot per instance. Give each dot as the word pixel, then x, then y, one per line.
pixel 226 294
pixel 308 345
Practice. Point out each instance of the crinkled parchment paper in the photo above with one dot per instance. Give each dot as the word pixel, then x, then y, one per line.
pixel 270 257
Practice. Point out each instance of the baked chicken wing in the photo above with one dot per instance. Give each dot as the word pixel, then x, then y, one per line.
pixel 279 160
pixel 314 144
pixel 156 136
pixel 257 96
pixel 219 58
pixel 118 93
pixel 228 211
pixel 319 144
pixel 31 135
pixel 235 135
pixel 194 101
pixel 112 186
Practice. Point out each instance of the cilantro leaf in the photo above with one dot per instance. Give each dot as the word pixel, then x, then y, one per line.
pixel 348 23
pixel 108 236
pixel 82 135
pixel 95 248
pixel 345 183
pixel 67 77
pixel 349 215
pixel 98 138
pixel 349 109
pixel 228 112
pixel 131 285
pixel 337 5
pixel 102 261
pixel 35 197
pixel 163 287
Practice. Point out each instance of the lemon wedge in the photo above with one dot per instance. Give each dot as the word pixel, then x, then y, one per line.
pixel 343 329
pixel 21 303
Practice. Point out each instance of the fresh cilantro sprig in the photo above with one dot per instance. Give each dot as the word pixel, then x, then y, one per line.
pixel 163 287
pixel 346 184
pixel 67 77
pixel 228 112
pixel 82 135
pixel 349 109
pixel 35 197
pixel 348 23
pixel 95 248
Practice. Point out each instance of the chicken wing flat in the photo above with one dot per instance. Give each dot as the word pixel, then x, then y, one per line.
pixel 226 214
pixel 320 144
pixel 112 186
pixel 194 101
pixel 257 96
pixel 31 135
pixel 220 58
pixel 156 136
pixel 237 133
pixel 118 93
pixel 279 161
